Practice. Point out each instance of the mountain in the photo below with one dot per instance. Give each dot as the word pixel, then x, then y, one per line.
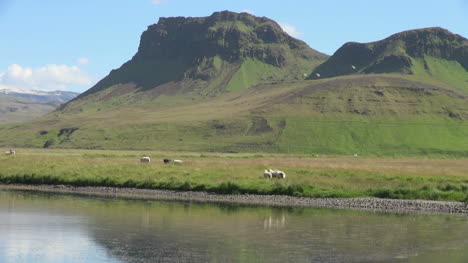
pixel 202 57
pixel 235 83
pixel 430 52
pixel 18 105
pixel 56 96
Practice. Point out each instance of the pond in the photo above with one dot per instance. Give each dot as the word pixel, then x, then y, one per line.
pixel 54 228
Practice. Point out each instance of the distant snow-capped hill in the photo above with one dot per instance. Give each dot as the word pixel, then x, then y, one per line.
pixel 40 96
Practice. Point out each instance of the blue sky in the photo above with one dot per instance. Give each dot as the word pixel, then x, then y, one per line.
pixel 70 45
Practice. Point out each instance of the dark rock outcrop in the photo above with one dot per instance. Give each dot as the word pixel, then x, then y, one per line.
pixel 195 49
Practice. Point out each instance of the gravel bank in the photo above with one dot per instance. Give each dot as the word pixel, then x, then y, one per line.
pixel 374 204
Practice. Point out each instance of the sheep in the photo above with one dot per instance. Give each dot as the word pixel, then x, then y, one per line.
pixel 353 66
pixel 145 159
pixel 175 161
pixel 281 175
pixel 317 74
pixel 10 152
pixel 273 173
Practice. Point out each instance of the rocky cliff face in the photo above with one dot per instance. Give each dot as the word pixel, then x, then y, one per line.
pixel 436 42
pixel 396 53
pixel 231 36
pixel 186 49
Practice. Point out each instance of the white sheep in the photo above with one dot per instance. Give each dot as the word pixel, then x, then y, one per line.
pixel 281 175
pixel 10 152
pixel 145 159
pixel 177 161
pixel 274 173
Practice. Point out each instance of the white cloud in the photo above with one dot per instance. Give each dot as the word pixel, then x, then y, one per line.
pixel 250 11
pixel 83 61
pixel 290 29
pixel 157 2
pixel 49 77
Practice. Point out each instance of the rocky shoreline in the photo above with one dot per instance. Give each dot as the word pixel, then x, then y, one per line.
pixel 373 204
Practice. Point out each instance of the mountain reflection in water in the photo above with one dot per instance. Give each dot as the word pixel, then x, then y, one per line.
pixel 64 228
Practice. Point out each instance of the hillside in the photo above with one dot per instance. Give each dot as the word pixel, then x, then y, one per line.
pixel 205 56
pixel 428 52
pixel 18 105
pixel 367 115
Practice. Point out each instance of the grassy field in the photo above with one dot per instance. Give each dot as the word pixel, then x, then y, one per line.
pixel 407 178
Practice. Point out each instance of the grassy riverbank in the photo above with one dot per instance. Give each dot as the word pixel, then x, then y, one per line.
pixel 398 178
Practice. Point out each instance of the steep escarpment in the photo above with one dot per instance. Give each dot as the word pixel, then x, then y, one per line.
pixel 207 55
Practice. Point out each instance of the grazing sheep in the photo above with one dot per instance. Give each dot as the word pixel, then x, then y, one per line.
pixel 10 152
pixel 353 66
pixel 273 173
pixel 175 161
pixel 145 159
pixel 317 74
pixel 281 175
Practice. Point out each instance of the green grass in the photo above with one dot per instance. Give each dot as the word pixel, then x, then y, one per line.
pixel 253 72
pixel 374 137
pixel 242 174
pixel 300 135
pixel 450 72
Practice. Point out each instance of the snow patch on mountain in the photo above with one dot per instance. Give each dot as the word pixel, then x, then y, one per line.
pixel 38 95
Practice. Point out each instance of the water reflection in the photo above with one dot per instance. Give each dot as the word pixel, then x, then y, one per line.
pixel 274 221
pixel 40 237
pixel 66 228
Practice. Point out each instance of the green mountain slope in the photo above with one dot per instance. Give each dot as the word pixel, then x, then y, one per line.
pixel 366 115
pixel 428 52
pixel 206 56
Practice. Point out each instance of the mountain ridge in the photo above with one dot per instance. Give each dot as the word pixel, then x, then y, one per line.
pixel 39 95
pixel 204 54
pixel 417 52
pixel 18 105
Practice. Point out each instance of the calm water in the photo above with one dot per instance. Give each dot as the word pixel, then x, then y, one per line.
pixel 58 228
